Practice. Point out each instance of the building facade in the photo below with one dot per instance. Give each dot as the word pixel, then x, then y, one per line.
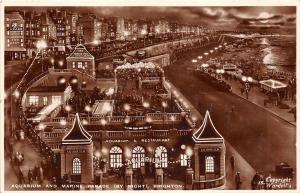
pixel 14 36
pixel 81 60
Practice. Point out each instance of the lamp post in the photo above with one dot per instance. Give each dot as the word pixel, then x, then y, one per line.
pixel 41 45
pixel 68 108
pixel 164 105
pixel 88 109
pixel 247 81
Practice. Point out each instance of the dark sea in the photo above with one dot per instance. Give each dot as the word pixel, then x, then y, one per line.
pixel 280 52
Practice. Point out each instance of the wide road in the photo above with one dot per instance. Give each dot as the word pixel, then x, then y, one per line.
pixel 263 139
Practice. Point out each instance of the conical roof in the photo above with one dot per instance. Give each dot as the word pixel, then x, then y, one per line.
pixel 207 132
pixel 77 134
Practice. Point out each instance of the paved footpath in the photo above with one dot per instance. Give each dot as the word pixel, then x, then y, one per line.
pixel 241 164
pixel 257 97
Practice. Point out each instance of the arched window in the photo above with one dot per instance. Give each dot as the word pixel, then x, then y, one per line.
pixel 76 166
pixel 161 157
pixel 209 164
pixel 115 157
pixel 138 157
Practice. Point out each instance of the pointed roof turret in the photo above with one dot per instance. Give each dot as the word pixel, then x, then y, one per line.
pixel 77 134
pixel 207 132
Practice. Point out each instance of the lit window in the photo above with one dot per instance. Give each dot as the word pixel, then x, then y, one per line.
pixel 209 164
pixel 33 100
pixel 7 25
pixel 21 25
pixel 115 157
pixel 21 39
pixel 45 100
pixel 56 99
pixel 183 160
pixel 79 64
pixel 76 166
pixel 161 157
pixel 7 32
pixel 138 157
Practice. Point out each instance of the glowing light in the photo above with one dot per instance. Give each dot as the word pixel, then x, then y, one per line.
pixel 74 81
pixel 164 104
pixel 244 78
pixel 126 33
pixel 87 108
pixel 84 122
pixel 42 126
pixel 62 81
pixel 206 53
pixel 96 42
pixel 41 44
pixel 199 57
pixel 172 118
pixel 144 32
pixel 194 60
pixel 16 94
pixel 104 151
pixel 148 119
pixel 52 61
pixel 189 151
pixel 220 46
pixel 183 146
pixel 211 51
pixel 250 79
pixel 68 108
pixel 126 120
pixel 63 122
pixel 103 122
pixel 146 104
pixel 61 63
pixel 126 107
pixel 194 118
pixel 97 153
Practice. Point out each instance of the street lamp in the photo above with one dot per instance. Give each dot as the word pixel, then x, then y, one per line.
pixel 88 109
pixel 247 81
pixel 63 122
pixel 41 45
pixel 206 53
pixel 126 108
pixel 194 61
pixel 68 108
pixel 103 122
pixel 172 119
pixel 200 57
pixel 164 105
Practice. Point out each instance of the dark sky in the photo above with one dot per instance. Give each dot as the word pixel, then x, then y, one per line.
pixel 216 17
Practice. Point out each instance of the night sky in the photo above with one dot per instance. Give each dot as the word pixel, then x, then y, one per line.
pixel 226 18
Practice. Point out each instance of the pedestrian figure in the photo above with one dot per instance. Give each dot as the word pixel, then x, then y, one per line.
pixel 255 181
pixel 238 181
pixel 29 176
pixel 232 162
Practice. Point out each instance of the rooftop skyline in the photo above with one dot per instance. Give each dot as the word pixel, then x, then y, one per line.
pixel 220 18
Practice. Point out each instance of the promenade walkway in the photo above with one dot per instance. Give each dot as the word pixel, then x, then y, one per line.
pixel 257 97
